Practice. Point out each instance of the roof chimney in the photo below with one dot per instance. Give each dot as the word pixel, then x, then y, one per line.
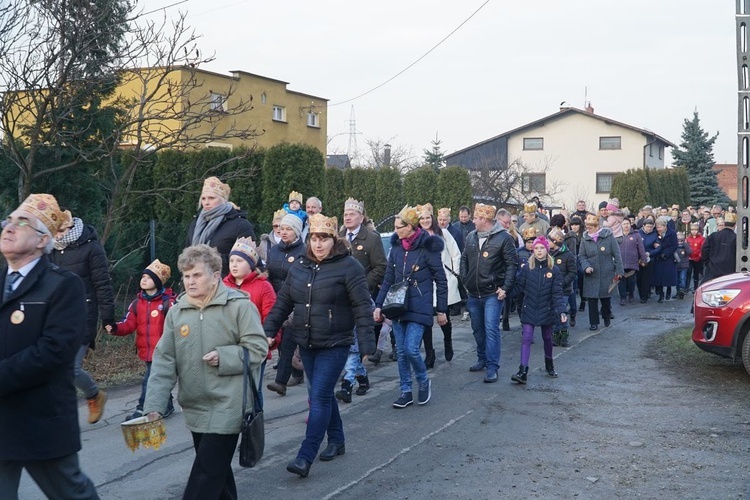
pixel 589 108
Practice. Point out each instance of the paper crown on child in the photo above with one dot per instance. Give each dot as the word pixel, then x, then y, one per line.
pixel 319 223
pixel 278 215
pixel 45 208
pixel 158 272
pixel 214 186
pixel 295 196
pixel 356 205
pixel 245 248
pixel 409 215
pixel 556 235
pixel 425 210
pixel 485 211
pixel 444 212
pixel 529 233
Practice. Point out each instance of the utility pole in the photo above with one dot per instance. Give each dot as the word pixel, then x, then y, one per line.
pixel 742 19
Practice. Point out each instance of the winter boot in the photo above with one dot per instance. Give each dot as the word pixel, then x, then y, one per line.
pixel 345 393
pixel 564 334
pixel 506 324
pixel 429 359
pixel 669 293
pixel 520 377
pixel 375 358
pixel 549 365
pixel 582 307
pixel 556 338
pixel 572 320
pixel 363 385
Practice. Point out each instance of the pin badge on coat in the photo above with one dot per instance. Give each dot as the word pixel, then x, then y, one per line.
pixel 17 317
pixel 184 330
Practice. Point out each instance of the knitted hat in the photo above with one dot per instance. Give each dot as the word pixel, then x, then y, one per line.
pixel 278 215
pixel 245 248
pixel 484 211
pixel 319 223
pixel 541 240
pixel 356 205
pixel 612 208
pixel 444 212
pixel 45 208
pixel 214 186
pixel 530 208
pixel 295 196
pixel 409 215
pixel 556 235
pixel 603 204
pixel 294 222
pixel 425 210
pixel 158 272
pixel 615 202
pixel 529 233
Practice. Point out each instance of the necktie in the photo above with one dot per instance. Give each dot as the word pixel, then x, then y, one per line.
pixel 9 281
pixel 351 237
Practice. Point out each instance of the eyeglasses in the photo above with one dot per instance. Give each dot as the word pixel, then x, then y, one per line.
pixel 20 223
pixel 275 226
pixel 398 227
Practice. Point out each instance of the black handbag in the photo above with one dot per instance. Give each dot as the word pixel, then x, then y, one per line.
pixel 394 304
pixel 252 435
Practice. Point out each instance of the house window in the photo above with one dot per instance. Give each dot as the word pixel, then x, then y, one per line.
pixel 651 150
pixel 661 152
pixel 279 114
pixel 217 102
pixel 604 182
pixel 533 143
pixel 263 98
pixel 610 142
pixel 534 183
pixel 313 120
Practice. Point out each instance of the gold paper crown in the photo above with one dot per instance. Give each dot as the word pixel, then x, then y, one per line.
pixel 530 208
pixel 67 220
pixel 592 220
pixel 295 196
pixel 425 210
pixel 246 246
pixel 484 211
pixel 730 218
pixel 356 205
pixel 529 233
pixel 215 186
pixel 45 208
pixel 409 215
pixel 162 271
pixel 319 223
pixel 556 235
pixel 444 212
pixel 279 214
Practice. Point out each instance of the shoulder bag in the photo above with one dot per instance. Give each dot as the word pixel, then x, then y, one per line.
pixel 394 304
pixel 252 435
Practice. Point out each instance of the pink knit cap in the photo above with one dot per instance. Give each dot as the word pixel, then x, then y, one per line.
pixel 541 240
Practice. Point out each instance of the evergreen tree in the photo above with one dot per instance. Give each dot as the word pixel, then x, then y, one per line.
pixel 388 197
pixel 453 189
pixel 434 159
pixel 420 186
pixel 696 156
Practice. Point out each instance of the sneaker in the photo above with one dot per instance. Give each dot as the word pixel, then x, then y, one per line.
pixel 295 381
pixel 96 406
pixel 404 400
pixel 425 392
pixel 137 413
pixel 465 316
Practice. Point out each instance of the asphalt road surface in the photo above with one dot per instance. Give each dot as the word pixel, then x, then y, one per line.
pixel 617 423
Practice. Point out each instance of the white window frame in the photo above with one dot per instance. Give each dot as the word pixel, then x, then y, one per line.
pixel 529 186
pixel 610 142
pixel 279 113
pixel 600 177
pixel 218 102
pixel 313 119
pixel 532 142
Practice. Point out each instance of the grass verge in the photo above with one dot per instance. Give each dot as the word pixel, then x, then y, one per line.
pixel 115 362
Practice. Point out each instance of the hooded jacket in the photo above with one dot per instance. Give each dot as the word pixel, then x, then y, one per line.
pixel 489 267
pixel 543 294
pixel 281 257
pixel 566 262
pixel 233 226
pixel 146 316
pixel 261 293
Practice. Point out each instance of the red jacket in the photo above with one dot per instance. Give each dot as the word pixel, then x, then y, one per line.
pixel 261 294
pixel 146 318
pixel 696 244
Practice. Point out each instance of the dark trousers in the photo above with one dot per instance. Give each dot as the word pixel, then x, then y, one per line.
pixel 286 353
pixel 594 309
pixel 144 386
pixel 695 271
pixel 427 335
pixel 60 478
pixel 626 286
pixel 211 476
pixel 643 279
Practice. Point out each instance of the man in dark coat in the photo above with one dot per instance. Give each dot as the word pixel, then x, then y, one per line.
pixel 488 270
pixel 40 333
pixel 464 222
pixel 719 252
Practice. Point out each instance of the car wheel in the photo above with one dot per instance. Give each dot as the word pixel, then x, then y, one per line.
pixel 746 353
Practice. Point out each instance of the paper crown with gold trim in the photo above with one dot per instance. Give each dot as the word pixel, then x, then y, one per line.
pixel 409 215
pixel 730 218
pixel 529 233
pixel 485 211
pixel 425 210
pixel 67 220
pixel 530 208
pixel 556 235
pixel 278 215
pixel 592 220
pixel 295 196
pixel 319 223
pixel 159 272
pixel 215 186
pixel 356 205
pixel 245 248
pixel 45 208
pixel 444 212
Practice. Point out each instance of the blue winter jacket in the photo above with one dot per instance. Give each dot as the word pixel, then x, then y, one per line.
pixel 422 266
pixel 543 295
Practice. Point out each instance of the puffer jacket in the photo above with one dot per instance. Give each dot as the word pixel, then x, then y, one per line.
pixel 567 263
pixel 210 396
pixel 280 260
pixel 261 294
pixel 489 267
pixel 543 294
pixel 86 258
pixel 328 299
pixel 146 316
pixel 423 267
pixel 234 225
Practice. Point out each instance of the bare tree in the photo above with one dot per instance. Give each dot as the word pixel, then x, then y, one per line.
pixel 402 157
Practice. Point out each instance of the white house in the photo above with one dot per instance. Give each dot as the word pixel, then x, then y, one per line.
pixel 570 155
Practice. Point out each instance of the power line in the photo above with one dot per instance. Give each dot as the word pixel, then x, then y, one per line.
pixel 415 62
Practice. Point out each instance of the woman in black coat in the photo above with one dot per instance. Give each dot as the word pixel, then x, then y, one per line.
pixel 665 268
pixel 327 291
pixel 219 222
pixel 544 305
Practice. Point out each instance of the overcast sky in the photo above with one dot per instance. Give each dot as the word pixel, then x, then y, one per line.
pixel 648 63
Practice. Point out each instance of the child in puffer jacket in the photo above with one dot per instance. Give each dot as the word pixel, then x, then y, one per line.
pixel 683 264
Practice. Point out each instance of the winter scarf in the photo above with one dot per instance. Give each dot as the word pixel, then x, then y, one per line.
pixel 71 236
pixel 595 236
pixel 208 222
pixel 407 243
pixel 494 229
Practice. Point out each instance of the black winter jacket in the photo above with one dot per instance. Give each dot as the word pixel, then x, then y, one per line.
pixel 87 259
pixel 234 225
pixel 281 257
pixel 328 300
pixel 567 262
pixel 543 296
pixel 493 266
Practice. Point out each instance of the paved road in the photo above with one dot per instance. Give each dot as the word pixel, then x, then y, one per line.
pixel 614 424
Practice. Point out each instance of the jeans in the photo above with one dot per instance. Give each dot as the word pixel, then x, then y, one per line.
pixel 485 322
pixel 527 331
pixel 408 339
pixel 83 380
pixel 682 279
pixel 323 368
pixel 573 303
pixel 57 478
pixel 144 385
pixel 354 367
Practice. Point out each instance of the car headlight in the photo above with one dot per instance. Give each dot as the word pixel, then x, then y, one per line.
pixel 719 298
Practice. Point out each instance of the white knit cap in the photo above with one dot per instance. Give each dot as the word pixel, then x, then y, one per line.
pixel 294 222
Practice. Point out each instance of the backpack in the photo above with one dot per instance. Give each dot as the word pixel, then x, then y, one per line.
pixel 165 305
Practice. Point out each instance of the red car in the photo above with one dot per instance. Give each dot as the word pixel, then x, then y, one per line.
pixel 722 317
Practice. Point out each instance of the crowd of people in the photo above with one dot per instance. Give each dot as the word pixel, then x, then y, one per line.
pixel 327 298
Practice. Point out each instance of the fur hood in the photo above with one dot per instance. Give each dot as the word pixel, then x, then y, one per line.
pixel 430 243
